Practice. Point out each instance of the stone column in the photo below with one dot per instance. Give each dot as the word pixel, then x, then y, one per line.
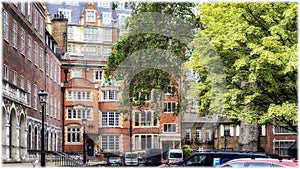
pixel 18 148
pixel 6 141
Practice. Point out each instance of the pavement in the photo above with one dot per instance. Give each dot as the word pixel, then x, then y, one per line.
pixel 27 165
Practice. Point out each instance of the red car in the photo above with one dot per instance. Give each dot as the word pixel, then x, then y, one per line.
pixel 260 163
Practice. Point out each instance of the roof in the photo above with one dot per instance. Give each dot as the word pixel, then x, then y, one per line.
pixel 195 117
pixel 78 8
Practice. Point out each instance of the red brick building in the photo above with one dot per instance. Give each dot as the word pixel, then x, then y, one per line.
pixel 29 64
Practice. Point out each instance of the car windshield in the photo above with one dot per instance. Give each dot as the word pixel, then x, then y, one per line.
pixel 175 155
pixel 131 156
pixel 114 158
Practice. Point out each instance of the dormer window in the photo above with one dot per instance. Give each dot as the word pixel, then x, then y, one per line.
pixel 90 16
pixel 103 4
pixel 106 17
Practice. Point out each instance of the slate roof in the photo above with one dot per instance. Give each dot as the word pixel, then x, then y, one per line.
pixel 194 117
pixel 78 9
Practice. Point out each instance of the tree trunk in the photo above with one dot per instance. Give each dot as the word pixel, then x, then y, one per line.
pixel 248 137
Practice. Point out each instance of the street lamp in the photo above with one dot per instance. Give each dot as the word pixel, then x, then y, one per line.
pixel 43 97
pixel 84 121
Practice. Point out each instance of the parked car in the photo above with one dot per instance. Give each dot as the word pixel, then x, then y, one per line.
pixel 114 161
pixel 131 158
pixel 260 163
pixel 216 158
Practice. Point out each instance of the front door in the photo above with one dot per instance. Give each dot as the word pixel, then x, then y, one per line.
pixel 90 147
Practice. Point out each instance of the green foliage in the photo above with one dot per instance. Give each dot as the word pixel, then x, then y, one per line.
pixel 257 44
pixel 152 27
pixel 187 150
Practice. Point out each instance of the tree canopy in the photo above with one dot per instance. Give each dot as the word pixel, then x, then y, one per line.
pixel 150 54
pixel 257 46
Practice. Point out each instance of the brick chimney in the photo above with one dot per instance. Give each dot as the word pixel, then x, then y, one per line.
pixel 60 32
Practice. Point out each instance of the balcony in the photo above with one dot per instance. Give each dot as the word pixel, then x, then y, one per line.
pixel 14 93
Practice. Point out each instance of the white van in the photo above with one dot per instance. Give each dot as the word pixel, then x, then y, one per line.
pixel 131 158
pixel 174 155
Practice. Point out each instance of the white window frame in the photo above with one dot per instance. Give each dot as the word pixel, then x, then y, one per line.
pixel 111 142
pixel 110 119
pixel 223 127
pixel 29 12
pixel 15 34
pixel 55 108
pixel 106 51
pixel 54 71
pixel 35 96
pixel 90 16
pixel 58 109
pixel 188 134
pixel 282 148
pixel 5 26
pixel 121 5
pixel 22 82
pixel 22 35
pixel 29 93
pixel 73 131
pixel 199 134
pixel 208 135
pixel 41 58
pixel 41 26
pixel 282 130
pixel 141 119
pixel 5 72
pixel 47 65
pixel 35 52
pixel 98 75
pixel 107 35
pixel 110 95
pixel 70 32
pixel 23 7
pixel 58 73
pixel 35 19
pixel 122 19
pixel 169 128
pixel 105 4
pixel 106 17
pixel 29 49
pixel 169 107
pixel 78 112
pixel 90 33
pixel 51 106
pixel 83 95
pixel 15 77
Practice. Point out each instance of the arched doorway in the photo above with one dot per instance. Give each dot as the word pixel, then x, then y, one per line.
pixel 29 143
pixel 13 134
pixel 35 140
pixel 90 147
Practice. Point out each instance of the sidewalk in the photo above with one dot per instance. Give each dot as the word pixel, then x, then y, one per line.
pixel 25 165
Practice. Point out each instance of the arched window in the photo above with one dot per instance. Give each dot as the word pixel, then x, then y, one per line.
pixel 29 139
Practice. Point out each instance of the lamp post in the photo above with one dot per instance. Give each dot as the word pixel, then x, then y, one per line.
pixel 43 97
pixel 130 126
pixel 84 121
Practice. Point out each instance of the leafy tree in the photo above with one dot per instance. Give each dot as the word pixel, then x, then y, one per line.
pixel 257 46
pixel 187 150
pixel 150 55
